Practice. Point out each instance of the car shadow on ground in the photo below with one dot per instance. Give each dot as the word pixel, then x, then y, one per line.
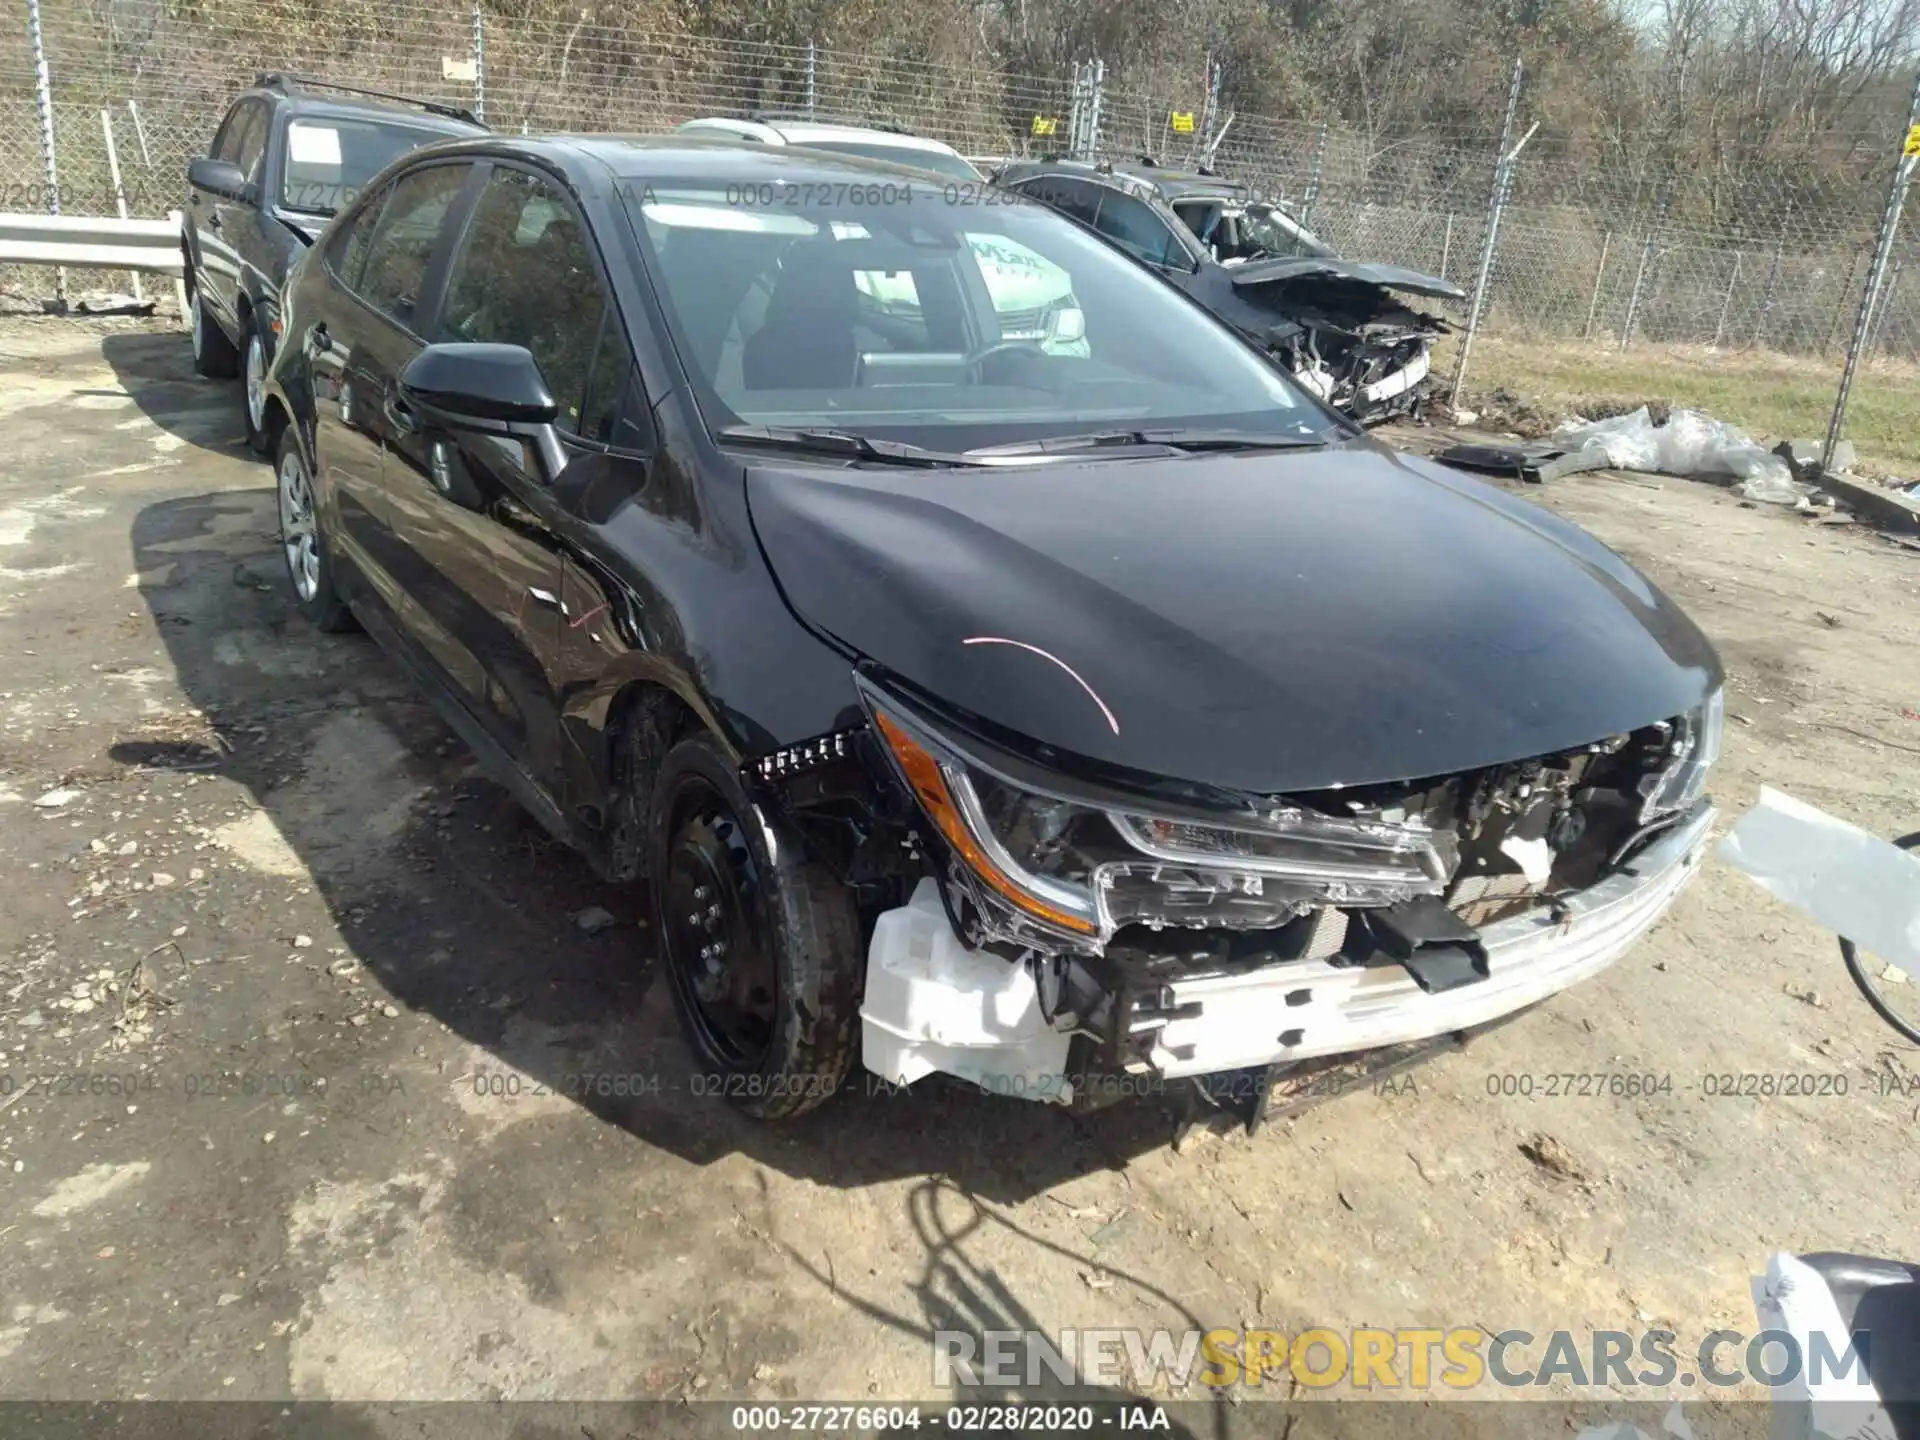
pixel 155 367
pixel 462 908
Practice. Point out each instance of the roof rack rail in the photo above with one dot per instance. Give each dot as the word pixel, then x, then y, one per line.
pixel 289 83
pixel 861 122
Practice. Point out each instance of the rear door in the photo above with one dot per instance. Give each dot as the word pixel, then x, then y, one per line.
pixel 386 257
pixel 473 515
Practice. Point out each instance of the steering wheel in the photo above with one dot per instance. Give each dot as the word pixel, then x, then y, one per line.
pixel 978 361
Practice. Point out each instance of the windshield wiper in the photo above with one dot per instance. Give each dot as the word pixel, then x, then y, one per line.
pixel 1172 439
pixel 842 442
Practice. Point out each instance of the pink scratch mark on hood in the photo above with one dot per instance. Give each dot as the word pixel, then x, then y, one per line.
pixel 1092 694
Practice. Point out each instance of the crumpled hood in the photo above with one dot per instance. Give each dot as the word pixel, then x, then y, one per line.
pixel 1265 622
pixel 1393 277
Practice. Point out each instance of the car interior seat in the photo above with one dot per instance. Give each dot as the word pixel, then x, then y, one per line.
pixel 808 341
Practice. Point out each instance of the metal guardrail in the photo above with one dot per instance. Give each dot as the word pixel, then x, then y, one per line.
pixel 84 241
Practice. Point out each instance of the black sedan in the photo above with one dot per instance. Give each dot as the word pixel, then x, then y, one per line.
pixel 1062 716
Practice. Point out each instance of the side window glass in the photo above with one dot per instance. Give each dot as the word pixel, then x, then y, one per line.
pixel 1131 225
pixel 403 240
pixel 525 276
pixel 607 385
pixel 1070 197
pixel 347 248
pixel 253 140
pixel 226 145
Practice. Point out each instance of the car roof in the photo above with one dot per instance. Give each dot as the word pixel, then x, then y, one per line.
pixel 804 132
pixel 308 95
pixel 338 108
pixel 1168 183
pixel 595 160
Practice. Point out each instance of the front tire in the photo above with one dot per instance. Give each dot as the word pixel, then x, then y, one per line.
pixel 303 540
pixel 253 369
pixel 214 355
pixel 761 943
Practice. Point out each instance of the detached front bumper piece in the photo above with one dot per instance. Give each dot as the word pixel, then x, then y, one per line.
pixel 1309 1009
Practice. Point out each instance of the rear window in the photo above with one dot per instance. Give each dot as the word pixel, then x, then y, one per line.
pixel 328 160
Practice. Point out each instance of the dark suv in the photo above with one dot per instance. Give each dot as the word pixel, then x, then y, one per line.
pixel 291 152
pixel 1337 325
pixel 1070 720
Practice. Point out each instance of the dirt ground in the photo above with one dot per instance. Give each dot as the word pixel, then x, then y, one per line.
pixel 291 997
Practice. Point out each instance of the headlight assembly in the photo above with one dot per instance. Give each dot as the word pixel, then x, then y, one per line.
pixel 1079 870
pixel 1692 751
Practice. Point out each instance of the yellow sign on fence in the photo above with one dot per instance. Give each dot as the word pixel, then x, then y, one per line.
pixel 1044 124
pixel 1182 121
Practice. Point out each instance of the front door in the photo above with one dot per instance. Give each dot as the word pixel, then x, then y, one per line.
pixel 473 514
pixel 222 221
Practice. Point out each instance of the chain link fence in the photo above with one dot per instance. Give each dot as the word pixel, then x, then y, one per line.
pixel 1606 248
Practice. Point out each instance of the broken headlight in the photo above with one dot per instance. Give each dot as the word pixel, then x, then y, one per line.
pixel 1080 870
pixel 1692 748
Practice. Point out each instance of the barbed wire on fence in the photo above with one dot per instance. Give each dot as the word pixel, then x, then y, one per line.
pixel 1746 253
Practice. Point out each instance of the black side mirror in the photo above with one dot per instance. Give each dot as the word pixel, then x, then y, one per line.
pixel 221 177
pixel 485 390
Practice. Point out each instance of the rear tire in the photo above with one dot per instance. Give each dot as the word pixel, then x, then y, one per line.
pixel 761 943
pixel 214 355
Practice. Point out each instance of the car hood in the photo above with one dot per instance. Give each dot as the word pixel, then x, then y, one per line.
pixel 1393 277
pixel 1264 621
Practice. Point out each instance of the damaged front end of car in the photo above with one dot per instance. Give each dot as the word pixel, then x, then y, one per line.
pixel 1357 348
pixel 1343 331
pixel 1058 934
pixel 1340 327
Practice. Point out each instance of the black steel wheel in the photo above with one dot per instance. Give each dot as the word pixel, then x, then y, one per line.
pixel 760 943
pixel 1859 968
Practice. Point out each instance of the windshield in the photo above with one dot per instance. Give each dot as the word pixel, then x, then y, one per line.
pixel 1279 234
pixel 943 161
pixel 900 312
pixel 328 160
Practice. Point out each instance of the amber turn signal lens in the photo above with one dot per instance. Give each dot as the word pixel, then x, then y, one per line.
pixel 922 771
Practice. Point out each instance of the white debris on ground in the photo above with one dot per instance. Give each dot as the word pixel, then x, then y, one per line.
pixel 1691 444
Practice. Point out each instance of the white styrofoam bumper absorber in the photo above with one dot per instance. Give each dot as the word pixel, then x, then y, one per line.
pixel 932 1004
